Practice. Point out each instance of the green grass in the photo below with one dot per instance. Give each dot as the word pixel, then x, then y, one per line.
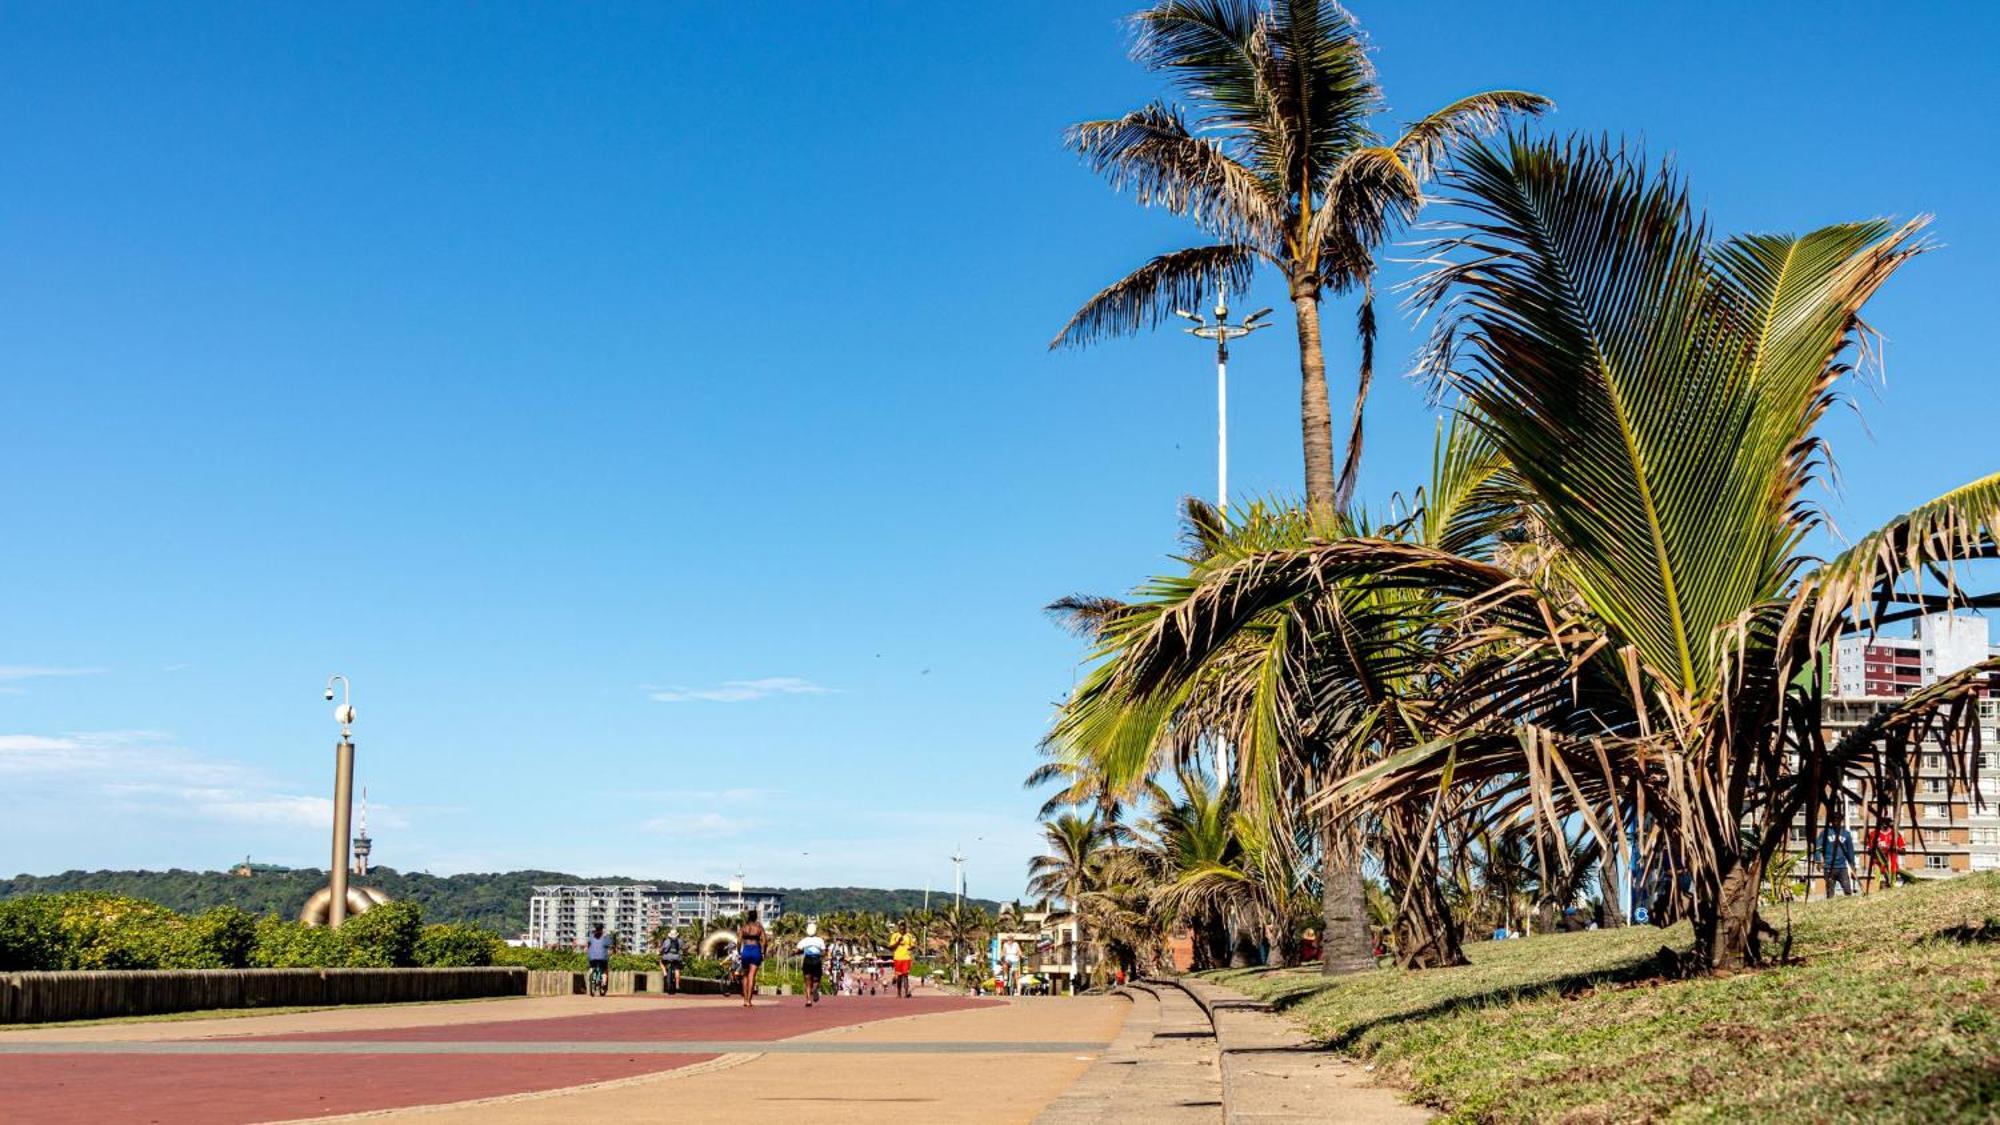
pixel 1893 1015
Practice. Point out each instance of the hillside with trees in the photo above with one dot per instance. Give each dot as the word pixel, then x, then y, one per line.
pixel 497 901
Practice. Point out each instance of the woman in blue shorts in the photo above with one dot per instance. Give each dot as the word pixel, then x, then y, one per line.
pixel 750 953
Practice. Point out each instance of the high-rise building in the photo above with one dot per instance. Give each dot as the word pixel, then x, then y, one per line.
pixel 561 916
pixel 1950 834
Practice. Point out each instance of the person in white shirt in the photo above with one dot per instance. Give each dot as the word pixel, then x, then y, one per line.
pixel 1010 953
pixel 812 951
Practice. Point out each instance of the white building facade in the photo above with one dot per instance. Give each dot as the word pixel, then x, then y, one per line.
pixel 562 916
pixel 1952 833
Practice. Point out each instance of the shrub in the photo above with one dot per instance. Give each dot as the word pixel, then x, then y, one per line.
pixel 30 934
pixel 559 960
pixel 456 945
pixel 106 931
pixel 382 938
pixel 220 938
pixel 282 944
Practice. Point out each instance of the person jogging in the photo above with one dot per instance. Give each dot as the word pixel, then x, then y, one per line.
pixel 812 961
pixel 902 951
pixel 671 956
pixel 598 951
pixel 1836 854
pixel 750 953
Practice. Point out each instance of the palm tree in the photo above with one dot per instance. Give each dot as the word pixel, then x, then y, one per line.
pixel 1656 395
pixel 1191 839
pixel 1073 865
pixel 1304 691
pixel 963 926
pixel 1280 166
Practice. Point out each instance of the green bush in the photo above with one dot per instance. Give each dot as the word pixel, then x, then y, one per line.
pixel 456 945
pixel 31 935
pixel 384 937
pixel 221 938
pixel 553 960
pixel 283 944
pixel 573 960
pixel 105 931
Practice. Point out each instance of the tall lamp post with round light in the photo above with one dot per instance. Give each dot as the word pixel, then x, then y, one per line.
pixel 343 798
pixel 1222 332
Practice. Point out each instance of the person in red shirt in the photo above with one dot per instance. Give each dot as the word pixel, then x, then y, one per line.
pixel 1885 852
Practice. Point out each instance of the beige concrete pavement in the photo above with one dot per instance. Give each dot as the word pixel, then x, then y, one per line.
pixel 900 1087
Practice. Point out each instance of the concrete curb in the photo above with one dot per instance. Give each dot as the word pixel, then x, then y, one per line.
pixel 1274 1074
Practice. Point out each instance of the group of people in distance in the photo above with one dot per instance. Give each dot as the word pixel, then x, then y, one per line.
pixel 1835 851
pixel 748 957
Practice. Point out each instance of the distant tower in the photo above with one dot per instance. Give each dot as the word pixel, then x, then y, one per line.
pixel 361 841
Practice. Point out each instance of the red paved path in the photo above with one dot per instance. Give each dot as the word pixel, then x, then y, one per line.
pixel 225 1089
pixel 236 1089
pixel 717 1020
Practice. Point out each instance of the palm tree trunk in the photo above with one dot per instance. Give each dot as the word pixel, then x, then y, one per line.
pixel 1609 893
pixel 1346 945
pixel 1428 935
pixel 1728 934
pixel 1350 467
pixel 1315 415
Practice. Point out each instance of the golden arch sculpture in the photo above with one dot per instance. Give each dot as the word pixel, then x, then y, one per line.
pixel 360 900
pixel 717 945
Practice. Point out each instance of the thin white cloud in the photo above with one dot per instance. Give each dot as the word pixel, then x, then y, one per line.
pixel 702 826
pixel 11 672
pixel 16 673
pixel 141 773
pixel 737 691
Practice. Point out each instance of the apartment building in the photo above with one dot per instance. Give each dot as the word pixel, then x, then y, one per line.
pixel 1950 835
pixel 561 916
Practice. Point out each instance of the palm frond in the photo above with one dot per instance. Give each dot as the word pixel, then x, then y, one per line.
pixel 1426 142
pixel 1151 293
pixel 1633 386
pixel 1150 153
pixel 1864 582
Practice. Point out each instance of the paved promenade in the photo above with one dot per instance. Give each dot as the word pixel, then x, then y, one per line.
pixel 933 1058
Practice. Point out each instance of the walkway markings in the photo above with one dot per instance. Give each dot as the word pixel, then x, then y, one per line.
pixel 567 1047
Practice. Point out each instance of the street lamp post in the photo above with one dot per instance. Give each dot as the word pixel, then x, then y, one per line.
pixel 957 908
pixel 343 799
pixel 1222 332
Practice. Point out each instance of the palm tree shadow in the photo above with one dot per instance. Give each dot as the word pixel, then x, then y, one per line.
pixel 1663 965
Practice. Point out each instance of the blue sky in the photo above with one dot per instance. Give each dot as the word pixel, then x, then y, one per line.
pixel 647 405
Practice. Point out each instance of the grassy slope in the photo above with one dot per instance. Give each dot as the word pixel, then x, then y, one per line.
pixel 1884 1021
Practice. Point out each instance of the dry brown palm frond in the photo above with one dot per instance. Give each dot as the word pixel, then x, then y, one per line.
pixel 1151 293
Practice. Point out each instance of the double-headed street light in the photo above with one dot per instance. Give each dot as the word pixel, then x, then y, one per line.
pixel 1222 332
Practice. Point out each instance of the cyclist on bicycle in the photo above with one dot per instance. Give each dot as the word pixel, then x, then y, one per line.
pixel 598 950
pixel 670 960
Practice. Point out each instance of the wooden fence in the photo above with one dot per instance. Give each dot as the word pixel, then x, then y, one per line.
pixel 543 982
pixel 45 997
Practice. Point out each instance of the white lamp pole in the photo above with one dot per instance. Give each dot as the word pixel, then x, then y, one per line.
pixel 1222 332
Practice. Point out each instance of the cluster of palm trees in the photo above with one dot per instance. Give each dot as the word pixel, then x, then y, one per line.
pixel 958 928
pixel 1595 639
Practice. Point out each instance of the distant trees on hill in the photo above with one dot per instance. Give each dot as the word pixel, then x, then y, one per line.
pixel 496 901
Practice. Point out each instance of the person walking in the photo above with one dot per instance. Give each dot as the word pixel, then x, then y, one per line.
pixel 1010 955
pixel 750 953
pixel 1885 852
pixel 902 953
pixel 1836 854
pixel 671 956
pixel 812 961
